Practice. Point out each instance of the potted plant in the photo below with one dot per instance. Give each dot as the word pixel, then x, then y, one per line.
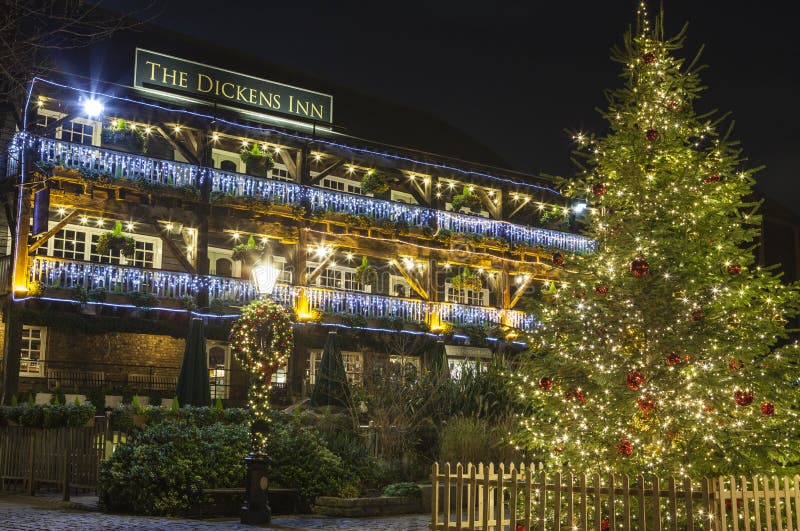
pixel 366 273
pixel 247 252
pixel 258 161
pixel 466 280
pixel 116 241
pixel 121 135
pixel 466 199
pixel 374 183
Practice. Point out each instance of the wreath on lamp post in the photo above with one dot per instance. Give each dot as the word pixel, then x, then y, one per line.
pixel 262 340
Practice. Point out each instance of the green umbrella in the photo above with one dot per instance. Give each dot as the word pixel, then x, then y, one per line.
pixel 439 359
pixel 330 387
pixel 193 388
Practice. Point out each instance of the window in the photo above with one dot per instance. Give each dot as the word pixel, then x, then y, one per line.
pixel 224 268
pixel 336 277
pixel 331 278
pixel 350 283
pixel 404 368
pixel 34 340
pixel 80 243
pixel 466 296
pixel 77 132
pixel 279 377
pixel 219 358
pixel 228 165
pixel 342 185
pixel 281 173
pixel 352 366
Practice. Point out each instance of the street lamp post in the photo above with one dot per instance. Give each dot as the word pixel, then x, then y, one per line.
pixel 256 510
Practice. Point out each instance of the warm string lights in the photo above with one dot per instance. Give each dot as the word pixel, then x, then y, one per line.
pixel 117 165
pixel 660 354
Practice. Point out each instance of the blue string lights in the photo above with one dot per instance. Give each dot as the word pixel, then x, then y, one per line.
pixel 137 168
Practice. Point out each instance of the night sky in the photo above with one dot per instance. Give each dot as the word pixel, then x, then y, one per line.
pixel 515 75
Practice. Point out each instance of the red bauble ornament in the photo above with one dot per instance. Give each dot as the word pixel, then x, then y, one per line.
pixel 640 267
pixel 708 408
pixel 651 135
pixel 672 105
pixel 577 394
pixel 558 259
pixel 601 289
pixel 697 315
pixel 673 359
pixel 743 398
pixel 635 380
pixel 546 384
pixel 767 409
pixel 579 294
pixel 712 178
pixel 605 524
pixel 734 269
pixel 646 403
pixel 625 447
pixel 599 189
pixel 649 58
pixel 735 365
pixel 519 527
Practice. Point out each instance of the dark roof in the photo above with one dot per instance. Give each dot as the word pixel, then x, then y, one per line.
pixel 355 114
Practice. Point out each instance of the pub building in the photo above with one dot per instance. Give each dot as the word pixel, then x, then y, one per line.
pixel 186 188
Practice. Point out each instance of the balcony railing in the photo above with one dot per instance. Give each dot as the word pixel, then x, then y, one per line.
pixel 56 273
pixel 138 168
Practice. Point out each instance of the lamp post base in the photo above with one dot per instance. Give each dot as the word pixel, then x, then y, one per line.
pixel 255 510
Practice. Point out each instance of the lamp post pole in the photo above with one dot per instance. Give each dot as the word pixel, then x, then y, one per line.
pixel 256 509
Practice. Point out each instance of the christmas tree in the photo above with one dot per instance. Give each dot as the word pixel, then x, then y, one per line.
pixel 658 352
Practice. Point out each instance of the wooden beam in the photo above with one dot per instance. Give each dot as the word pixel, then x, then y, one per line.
pixel 172 247
pixel 51 127
pixel 327 171
pixel 520 207
pixel 52 232
pixel 520 292
pixel 320 268
pixel 177 145
pixel 410 279
pixel 490 205
pixel 291 166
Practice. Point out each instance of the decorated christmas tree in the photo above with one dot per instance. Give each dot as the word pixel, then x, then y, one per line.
pixel 658 352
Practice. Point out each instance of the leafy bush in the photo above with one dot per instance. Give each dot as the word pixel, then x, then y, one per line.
pixel 164 468
pixel 475 440
pixel 48 416
pixel 301 461
pixel 407 489
pixel 121 418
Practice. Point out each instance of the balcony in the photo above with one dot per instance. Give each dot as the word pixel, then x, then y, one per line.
pixel 95 162
pixel 62 276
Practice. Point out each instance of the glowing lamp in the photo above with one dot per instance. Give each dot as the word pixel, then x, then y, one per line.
pixel 579 207
pixel 264 278
pixel 93 108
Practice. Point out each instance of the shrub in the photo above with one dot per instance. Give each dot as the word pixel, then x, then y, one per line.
pixel 407 489
pixel 474 440
pixel 122 416
pixel 301 461
pixel 164 468
pixel 48 416
pixel 97 397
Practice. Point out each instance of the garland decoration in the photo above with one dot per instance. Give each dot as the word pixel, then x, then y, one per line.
pixel 262 340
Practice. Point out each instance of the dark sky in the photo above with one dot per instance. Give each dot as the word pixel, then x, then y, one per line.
pixel 515 75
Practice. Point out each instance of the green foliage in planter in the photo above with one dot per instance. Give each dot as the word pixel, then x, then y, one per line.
pixel 406 489
pixel 243 251
pixel 189 302
pixel 467 280
pixel 466 199
pixel 142 300
pixel 48 416
pixel 115 240
pixel 374 183
pixel 218 307
pixel 97 397
pixel 120 133
pixel 121 417
pixel 366 273
pixel 163 469
pixel 59 398
pixel 257 157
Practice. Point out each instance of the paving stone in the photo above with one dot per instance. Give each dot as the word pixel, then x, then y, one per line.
pixel 21 513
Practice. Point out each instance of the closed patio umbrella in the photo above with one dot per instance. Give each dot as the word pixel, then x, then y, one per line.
pixel 193 388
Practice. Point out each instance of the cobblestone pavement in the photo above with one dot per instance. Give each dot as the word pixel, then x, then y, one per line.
pixel 20 513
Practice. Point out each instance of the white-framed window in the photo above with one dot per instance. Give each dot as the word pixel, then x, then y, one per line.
pixel 461 357
pixel 79 242
pixel 337 277
pixel 464 210
pixel 227 160
pixel 399 287
pixel 280 173
pixel 353 365
pixel 466 296
pixel 404 368
pixel 403 197
pixel 77 130
pixel 341 185
pixel 219 365
pixel 32 353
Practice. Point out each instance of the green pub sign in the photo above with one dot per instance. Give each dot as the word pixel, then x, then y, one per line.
pixel 155 71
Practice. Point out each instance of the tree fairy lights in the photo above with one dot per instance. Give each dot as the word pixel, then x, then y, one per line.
pixel 673 352
pixel 262 340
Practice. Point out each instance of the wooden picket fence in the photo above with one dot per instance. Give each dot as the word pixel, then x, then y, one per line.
pixel 67 458
pixel 526 498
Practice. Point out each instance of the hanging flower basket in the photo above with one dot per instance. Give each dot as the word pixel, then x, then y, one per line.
pixel 466 280
pixel 259 162
pixel 466 199
pixel 115 241
pixel 374 183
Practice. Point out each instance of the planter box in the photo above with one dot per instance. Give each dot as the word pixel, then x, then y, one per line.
pixel 70 398
pixel 381 506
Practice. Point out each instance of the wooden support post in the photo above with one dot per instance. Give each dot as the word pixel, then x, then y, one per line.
pixel 174 248
pixel 291 165
pixel 52 232
pixel 301 258
pixel 204 213
pixel 411 280
pixel 177 145
pixel 520 292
